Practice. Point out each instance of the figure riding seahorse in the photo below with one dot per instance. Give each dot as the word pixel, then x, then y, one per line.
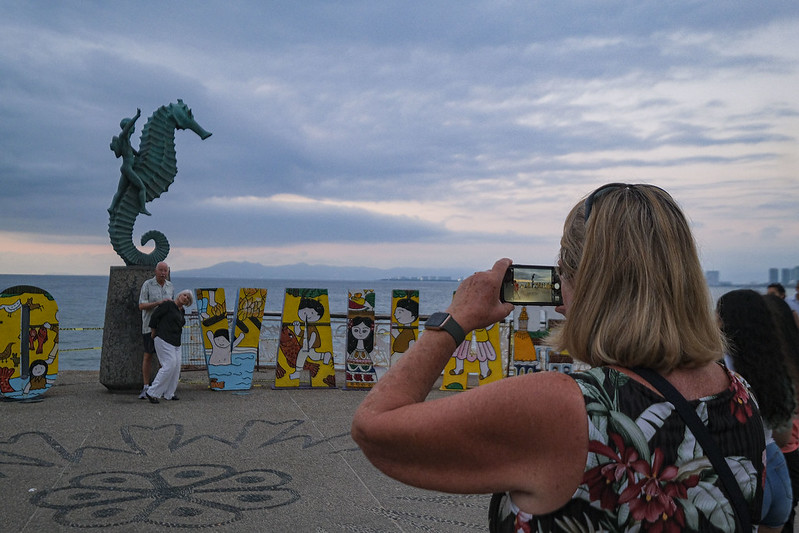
pixel 145 175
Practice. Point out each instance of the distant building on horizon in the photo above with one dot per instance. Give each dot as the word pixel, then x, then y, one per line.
pixel 773 275
pixel 788 276
pixel 712 277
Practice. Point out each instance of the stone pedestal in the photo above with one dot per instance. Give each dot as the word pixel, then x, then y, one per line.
pixel 120 362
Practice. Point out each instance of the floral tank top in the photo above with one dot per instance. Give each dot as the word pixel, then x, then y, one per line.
pixel 645 471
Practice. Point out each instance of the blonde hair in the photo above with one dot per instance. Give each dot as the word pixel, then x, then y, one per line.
pixel 639 294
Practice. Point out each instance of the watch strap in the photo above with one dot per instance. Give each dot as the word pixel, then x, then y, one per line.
pixel 445 322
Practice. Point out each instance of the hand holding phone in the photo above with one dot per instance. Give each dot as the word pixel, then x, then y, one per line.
pixel 531 285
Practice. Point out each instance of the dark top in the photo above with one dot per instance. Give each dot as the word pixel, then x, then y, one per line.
pixel 168 322
pixel 644 467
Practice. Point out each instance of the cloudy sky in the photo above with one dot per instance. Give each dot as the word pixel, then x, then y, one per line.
pixel 381 133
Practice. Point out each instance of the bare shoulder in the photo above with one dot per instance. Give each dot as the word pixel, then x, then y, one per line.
pixel 558 427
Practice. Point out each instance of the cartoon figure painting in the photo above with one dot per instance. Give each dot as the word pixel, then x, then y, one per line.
pixel 360 371
pixel 480 355
pixel 230 364
pixel 404 321
pixel 306 340
pixel 29 335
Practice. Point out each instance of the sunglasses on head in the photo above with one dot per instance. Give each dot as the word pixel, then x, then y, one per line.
pixel 589 202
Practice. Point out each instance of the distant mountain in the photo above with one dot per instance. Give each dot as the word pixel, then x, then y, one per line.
pixel 248 270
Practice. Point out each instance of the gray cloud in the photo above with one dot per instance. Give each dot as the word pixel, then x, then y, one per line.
pixel 368 102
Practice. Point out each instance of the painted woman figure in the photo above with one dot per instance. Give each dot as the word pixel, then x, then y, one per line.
pixel 360 344
pixel 121 147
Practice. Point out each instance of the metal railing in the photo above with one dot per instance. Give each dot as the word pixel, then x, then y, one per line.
pixel 193 354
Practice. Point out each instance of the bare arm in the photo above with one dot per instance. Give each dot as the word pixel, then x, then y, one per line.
pixel 525 434
pixel 151 305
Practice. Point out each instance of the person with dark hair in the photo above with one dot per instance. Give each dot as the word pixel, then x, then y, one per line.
pixel 602 449
pixel 755 353
pixel 789 340
pixel 776 289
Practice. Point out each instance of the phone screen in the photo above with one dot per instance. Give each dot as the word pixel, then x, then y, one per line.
pixel 531 285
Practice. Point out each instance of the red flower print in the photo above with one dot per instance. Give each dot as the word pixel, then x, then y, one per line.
pixel 739 405
pixel 601 479
pixel 651 499
pixel 522 525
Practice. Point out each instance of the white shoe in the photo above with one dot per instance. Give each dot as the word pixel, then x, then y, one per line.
pixel 143 395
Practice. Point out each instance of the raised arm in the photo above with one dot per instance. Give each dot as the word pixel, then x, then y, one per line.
pixel 527 434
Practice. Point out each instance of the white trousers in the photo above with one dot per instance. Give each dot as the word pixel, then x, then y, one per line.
pixel 166 380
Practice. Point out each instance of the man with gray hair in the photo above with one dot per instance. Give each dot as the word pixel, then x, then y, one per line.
pixel 154 291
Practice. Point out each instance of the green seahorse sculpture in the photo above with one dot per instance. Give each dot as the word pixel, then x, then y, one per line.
pixel 145 175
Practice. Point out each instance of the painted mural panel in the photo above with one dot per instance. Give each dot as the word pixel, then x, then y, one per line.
pixel 29 342
pixel 360 371
pixel 404 321
pixel 230 358
pixel 306 341
pixel 478 354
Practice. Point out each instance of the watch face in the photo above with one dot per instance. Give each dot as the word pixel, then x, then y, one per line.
pixel 435 320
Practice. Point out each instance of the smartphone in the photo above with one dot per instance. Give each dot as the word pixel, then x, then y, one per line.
pixel 531 285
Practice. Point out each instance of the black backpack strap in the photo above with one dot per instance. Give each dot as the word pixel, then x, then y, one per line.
pixel 709 445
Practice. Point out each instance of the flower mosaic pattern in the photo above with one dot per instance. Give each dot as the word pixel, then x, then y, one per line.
pixel 176 496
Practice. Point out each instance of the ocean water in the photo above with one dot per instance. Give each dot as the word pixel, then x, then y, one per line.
pixel 81 303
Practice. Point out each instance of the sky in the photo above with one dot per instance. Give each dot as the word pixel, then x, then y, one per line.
pixel 440 134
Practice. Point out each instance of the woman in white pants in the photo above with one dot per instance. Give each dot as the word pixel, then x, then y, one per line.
pixel 166 326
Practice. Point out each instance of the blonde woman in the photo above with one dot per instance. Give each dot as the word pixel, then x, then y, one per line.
pixel 599 450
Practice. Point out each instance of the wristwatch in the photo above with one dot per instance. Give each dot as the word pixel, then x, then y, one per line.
pixel 444 322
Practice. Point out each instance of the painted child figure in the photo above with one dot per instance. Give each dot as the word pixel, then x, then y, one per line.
pixel 221 350
pixel 120 145
pixel 309 312
pixel 405 313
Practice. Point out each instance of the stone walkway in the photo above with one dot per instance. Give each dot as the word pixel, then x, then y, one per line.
pixel 259 460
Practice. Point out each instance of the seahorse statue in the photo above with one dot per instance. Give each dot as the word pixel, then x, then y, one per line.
pixel 152 171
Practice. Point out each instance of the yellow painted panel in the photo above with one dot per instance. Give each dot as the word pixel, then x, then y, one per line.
pixel 478 354
pixel 29 339
pixel 359 365
pixel 404 321
pixel 306 340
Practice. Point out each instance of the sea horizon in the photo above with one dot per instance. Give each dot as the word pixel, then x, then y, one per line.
pixel 82 299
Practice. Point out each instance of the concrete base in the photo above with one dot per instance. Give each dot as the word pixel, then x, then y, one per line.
pixel 121 358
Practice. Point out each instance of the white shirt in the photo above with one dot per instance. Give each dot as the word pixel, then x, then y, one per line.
pixel 151 292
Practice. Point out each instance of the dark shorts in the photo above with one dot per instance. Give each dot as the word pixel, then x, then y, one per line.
pixel 149 345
